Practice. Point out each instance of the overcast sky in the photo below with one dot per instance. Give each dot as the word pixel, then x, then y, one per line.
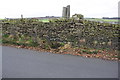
pixel 38 8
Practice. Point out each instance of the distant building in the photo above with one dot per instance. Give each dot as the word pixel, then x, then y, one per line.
pixel 66 12
pixel 21 16
pixel 47 17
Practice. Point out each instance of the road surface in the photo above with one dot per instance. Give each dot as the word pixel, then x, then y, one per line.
pixel 23 63
pixel 0 62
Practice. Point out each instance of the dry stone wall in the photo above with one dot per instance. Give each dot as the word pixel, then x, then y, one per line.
pixel 78 32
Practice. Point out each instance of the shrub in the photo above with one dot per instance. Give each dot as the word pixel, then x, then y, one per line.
pixel 55 45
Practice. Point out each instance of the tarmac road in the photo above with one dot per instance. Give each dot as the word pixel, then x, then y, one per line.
pixel 23 63
pixel 0 62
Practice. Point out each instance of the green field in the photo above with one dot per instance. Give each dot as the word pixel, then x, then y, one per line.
pixel 94 19
pixel 44 20
pixel 104 20
pixel 1 19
